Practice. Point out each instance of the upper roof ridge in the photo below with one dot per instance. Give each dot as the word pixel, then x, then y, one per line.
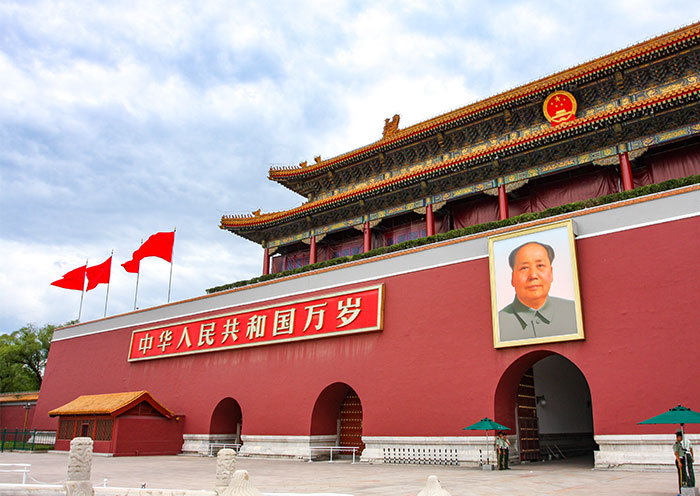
pixel 500 101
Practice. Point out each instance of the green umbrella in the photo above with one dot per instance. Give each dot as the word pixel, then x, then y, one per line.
pixel 486 424
pixel 676 415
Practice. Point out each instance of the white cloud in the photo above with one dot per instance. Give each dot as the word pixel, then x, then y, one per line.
pixel 120 120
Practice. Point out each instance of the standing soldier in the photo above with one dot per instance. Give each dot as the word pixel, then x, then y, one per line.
pixel 502 446
pixel 683 451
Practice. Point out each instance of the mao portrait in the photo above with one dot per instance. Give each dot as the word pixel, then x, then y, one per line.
pixel 534 286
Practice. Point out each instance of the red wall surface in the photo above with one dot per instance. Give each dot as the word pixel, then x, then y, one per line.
pixel 147 436
pixel 16 416
pixel 433 369
pixel 97 446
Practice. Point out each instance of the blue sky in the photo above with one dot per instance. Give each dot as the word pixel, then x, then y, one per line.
pixel 121 119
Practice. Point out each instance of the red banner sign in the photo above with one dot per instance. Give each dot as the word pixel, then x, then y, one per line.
pixel 349 312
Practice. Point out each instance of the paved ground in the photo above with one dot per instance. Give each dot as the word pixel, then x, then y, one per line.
pixel 569 477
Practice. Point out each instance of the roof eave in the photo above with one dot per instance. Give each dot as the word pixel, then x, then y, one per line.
pixel 564 131
pixel 496 103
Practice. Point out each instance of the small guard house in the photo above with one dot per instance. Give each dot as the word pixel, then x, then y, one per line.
pixel 122 424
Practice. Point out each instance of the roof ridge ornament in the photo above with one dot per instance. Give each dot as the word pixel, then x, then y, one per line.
pixel 391 127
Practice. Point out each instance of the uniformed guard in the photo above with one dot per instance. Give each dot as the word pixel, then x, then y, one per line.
pixel 683 451
pixel 502 447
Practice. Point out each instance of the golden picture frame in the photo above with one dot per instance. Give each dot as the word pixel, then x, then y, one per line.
pixel 535 295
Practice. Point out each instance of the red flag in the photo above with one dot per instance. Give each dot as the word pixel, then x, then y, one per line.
pixel 75 279
pixel 99 274
pixel 158 245
pixel 132 265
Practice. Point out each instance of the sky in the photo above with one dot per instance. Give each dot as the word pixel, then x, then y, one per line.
pixel 122 119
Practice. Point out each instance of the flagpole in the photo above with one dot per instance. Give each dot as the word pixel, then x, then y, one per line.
pixel 110 281
pixel 170 282
pixel 136 293
pixel 82 293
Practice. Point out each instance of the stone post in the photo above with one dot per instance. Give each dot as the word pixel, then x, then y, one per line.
pixel 78 482
pixel 225 467
pixel 433 488
pixel 240 485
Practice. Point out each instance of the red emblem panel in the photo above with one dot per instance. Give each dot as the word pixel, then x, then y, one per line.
pixel 559 107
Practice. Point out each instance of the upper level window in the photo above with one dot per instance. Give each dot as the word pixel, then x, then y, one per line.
pixel 346 250
pixel 404 233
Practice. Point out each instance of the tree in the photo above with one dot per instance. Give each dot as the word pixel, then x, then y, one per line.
pixel 23 355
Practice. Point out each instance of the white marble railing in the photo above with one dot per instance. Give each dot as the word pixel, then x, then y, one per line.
pixel 228 482
pixel 638 452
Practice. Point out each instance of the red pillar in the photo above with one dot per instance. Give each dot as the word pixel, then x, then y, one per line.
pixel 312 250
pixel 266 262
pixel 429 220
pixel 502 203
pixel 367 232
pixel 626 171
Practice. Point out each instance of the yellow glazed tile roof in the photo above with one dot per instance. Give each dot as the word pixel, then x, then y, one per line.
pixel 107 404
pixel 601 118
pixel 14 397
pixel 499 101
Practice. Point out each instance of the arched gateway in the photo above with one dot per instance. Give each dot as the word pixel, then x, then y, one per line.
pixel 338 411
pixel 226 423
pixel 546 400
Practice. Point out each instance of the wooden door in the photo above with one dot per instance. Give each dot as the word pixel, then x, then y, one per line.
pixel 528 429
pixel 351 422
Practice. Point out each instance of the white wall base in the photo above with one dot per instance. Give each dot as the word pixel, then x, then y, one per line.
pixel 639 452
pixel 198 444
pixel 283 446
pixel 617 452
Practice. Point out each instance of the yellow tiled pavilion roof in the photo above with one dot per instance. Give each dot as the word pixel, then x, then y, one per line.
pixel 577 74
pixel 15 397
pixel 108 404
pixel 604 118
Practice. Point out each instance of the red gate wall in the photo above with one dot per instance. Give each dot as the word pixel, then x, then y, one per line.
pixel 16 416
pixel 435 357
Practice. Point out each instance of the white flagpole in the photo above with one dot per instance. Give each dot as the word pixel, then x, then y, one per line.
pixel 82 294
pixel 110 281
pixel 170 282
pixel 136 293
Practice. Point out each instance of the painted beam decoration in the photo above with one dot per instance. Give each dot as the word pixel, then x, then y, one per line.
pixel 337 314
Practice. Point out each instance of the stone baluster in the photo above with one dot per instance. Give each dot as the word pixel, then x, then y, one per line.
pixel 78 482
pixel 225 467
pixel 240 485
pixel 433 488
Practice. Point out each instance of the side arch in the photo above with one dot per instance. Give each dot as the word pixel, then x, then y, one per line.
pixel 226 421
pixel 326 412
pixel 338 412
